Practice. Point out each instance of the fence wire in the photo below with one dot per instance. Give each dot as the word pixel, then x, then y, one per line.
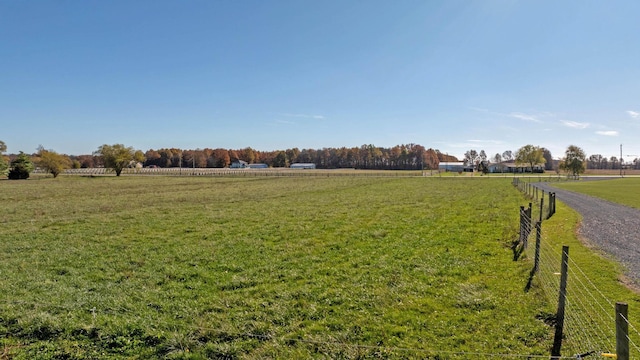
pixel 590 316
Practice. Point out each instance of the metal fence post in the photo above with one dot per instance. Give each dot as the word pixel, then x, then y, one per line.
pixel 522 213
pixel 536 259
pixel 562 297
pixel 622 332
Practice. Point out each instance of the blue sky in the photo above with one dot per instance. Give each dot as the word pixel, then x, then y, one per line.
pixel 451 75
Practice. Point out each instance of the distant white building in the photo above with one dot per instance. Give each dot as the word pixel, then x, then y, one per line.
pixel 239 164
pixel 451 166
pixel 258 166
pixel 303 166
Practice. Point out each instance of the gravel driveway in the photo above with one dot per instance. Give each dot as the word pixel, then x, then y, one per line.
pixel 611 227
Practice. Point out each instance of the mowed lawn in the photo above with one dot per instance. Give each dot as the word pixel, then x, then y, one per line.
pixel 316 267
pixel 625 191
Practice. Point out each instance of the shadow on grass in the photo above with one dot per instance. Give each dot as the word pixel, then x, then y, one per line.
pixel 530 281
pixel 518 248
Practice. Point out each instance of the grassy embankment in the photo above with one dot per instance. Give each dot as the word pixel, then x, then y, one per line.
pixel 625 191
pixel 266 268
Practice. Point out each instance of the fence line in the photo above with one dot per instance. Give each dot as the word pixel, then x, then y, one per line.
pixel 247 172
pixel 590 317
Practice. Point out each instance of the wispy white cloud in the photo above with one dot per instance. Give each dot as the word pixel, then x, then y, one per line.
pixel 607 133
pixel 536 116
pixel 482 110
pixel 633 114
pixel 525 117
pixel 305 116
pixel 285 122
pixel 575 124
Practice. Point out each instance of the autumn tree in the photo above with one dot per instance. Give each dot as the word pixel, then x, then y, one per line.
pixel 247 154
pixel 52 162
pixel 21 167
pixel 530 155
pixel 153 158
pixel 280 160
pixel 117 157
pixel 574 161
pixel 292 155
pixel 431 160
pixel 194 158
pixel 220 158
pixel 177 159
pixel 307 156
pixel 86 161
pixel 233 155
pixel 446 157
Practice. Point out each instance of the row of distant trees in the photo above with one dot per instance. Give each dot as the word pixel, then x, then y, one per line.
pixel 400 157
pixel 117 157
pixel 574 161
pixel 594 162
pixel 21 165
pixel 526 154
pixel 598 161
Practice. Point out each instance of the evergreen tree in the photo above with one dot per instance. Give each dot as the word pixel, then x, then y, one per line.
pixel 21 167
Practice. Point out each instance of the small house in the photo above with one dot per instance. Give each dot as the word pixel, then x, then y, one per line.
pixel 239 164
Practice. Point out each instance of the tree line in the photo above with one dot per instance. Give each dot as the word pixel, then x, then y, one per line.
pixel 598 161
pixel 399 157
pixel 117 157
pixel 526 154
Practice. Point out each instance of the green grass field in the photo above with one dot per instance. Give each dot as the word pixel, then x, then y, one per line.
pixel 319 267
pixel 625 191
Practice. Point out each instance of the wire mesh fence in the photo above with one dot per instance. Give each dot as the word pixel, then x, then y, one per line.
pixel 589 327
